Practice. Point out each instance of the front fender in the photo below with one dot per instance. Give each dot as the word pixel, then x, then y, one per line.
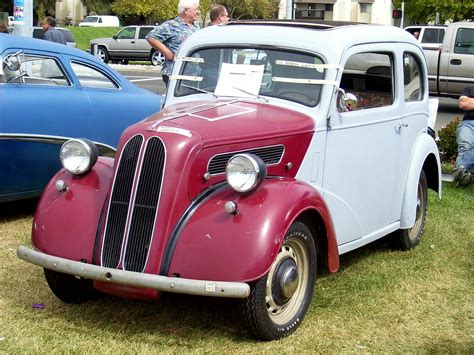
pixel 220 246
pixel 425 156
pixel 65 223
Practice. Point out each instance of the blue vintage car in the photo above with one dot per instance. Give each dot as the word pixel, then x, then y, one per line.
pixel 50 93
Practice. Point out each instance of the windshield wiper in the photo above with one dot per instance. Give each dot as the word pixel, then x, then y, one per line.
pixel 199 90
pixel 251 94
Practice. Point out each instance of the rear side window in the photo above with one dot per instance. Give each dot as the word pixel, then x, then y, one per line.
pixel 38 33
pixel 144 31
pixel 464 43
pixel 92 78
pixel 412 75
pixel 433 35
pixel 369 76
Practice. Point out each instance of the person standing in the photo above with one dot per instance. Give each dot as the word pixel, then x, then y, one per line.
pixel 167 37
pixel 464 171
pixel 218 15
pixel 51 33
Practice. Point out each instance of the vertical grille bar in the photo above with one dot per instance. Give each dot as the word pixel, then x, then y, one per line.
pixel 145 206
pixel 119 203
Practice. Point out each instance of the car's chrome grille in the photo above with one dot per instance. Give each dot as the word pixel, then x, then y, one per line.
pixel 120 202
pixel 145 206
pixel 270 156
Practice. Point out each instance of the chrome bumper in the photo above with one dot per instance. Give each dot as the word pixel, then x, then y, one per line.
pixel 136 279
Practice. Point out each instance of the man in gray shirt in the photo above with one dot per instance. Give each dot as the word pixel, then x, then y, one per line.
pixel 50 31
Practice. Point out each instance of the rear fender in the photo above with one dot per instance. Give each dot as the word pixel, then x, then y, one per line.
pixel 213 244
pixel 425 157
pixel 65 223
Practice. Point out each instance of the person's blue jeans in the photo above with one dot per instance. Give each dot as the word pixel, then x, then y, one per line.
pixel 465 140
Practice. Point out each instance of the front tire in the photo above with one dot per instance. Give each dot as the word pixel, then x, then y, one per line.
pixel 68 288
pixel 406 239
pixel 103 55
pixel 278 301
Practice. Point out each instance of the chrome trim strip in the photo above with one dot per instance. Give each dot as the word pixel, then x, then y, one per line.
pixel 135 279
pixel 104 149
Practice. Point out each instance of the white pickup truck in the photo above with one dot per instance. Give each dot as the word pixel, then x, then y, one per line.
pixel 451 64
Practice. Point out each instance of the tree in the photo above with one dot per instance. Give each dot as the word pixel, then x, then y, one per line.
pixel 150 9
pixel 252 9
pixel 98 7
pixel 204 7
pixel 424 11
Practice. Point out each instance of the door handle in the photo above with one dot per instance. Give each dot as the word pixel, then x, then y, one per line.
pixel 456 61
pixel 133 41
pixel 399 126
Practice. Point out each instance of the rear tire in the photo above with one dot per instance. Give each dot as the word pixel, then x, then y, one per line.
pixel 279 300
pixel 68 288
pixel 406 239
pixel 103 55
pixel 157 58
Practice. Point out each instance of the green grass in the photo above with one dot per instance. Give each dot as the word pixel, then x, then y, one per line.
pixel 381 301
pixel 83 35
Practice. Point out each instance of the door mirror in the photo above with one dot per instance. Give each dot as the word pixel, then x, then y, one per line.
pixel 346 101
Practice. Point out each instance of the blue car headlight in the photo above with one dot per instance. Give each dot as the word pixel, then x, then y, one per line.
pixel 245 172
pixel 78 155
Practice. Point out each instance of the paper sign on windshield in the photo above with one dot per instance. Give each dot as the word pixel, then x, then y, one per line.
pixel 239 80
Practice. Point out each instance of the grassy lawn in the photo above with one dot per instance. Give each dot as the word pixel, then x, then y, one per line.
pixel 84 34
pixel 381 301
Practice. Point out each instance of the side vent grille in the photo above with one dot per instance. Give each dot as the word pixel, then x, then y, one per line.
pixel 270 156
pixel 120 202
pixel 145 206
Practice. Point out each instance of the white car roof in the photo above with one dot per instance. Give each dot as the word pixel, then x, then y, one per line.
pixel 329 41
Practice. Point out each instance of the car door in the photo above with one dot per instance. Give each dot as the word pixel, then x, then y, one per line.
pixel 39 108
pixel 460 61
pixel 361 156
pixel 142 47
pixel 123 45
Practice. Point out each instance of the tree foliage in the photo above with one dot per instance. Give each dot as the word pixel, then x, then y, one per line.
pixel 98 7
pixel 252 9
pixel 424 11
pixel 150 9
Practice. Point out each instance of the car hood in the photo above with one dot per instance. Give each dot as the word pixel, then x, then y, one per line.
pixel 229 121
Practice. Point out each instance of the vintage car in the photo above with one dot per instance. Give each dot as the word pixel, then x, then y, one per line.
pixel 274 155
pixel 50 93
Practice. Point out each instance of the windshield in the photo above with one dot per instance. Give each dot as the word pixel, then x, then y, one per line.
pixel 90 19
pixel 252 72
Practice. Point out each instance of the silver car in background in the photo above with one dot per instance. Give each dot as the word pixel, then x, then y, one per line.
pixel 127 44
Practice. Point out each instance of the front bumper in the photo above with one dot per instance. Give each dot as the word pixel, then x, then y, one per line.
pixel 135 279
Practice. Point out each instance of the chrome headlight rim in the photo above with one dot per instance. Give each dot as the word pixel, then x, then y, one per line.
pixel 90 155
pixel 255 163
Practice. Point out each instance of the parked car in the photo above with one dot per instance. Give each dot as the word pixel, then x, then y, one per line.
pixel 38 33
pixel 451 67
pixel 128 44
pixel 50 93
pixel 274 154
pixel 100 21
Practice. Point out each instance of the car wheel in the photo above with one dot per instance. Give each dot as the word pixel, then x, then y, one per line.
pixel 102 54
pixel 68 288
pixel 406 239
pixel 278 301
pixel 157 58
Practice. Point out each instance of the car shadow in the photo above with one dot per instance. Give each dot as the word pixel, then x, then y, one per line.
pixel 17 209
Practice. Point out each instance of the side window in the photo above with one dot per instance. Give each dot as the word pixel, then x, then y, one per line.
pixel 464 43
pixel 127 33
pixel 369 76
pixel 412 78
pixel 36 70
pixel 433 35
pixel 143 32
pixel 92 78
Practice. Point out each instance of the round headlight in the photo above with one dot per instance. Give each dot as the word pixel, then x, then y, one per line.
pixel 245 172
pixel 78 155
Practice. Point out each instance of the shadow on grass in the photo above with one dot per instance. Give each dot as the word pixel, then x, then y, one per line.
pixel 17 209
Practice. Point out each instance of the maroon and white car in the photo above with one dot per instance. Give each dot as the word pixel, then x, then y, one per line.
pixel 281 146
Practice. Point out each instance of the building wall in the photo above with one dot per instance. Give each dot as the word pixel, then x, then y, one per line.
pixel 70 8
pixel 371 11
